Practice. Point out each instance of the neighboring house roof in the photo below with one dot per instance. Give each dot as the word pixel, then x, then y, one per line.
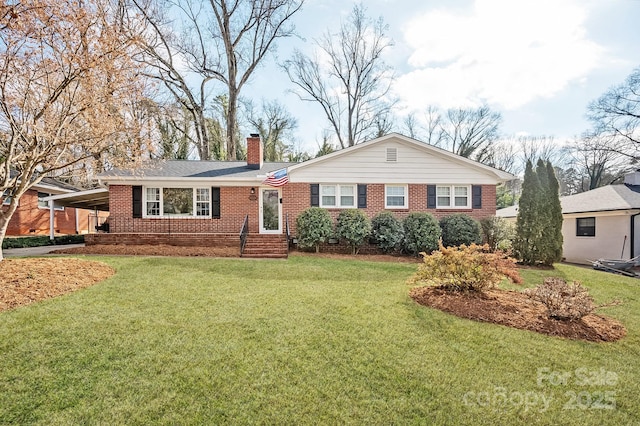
pixel 189 169
pixel 605 198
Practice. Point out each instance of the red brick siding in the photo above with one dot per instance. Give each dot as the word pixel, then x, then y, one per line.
pixel 29 219
pixel 297 198
pixel 235 204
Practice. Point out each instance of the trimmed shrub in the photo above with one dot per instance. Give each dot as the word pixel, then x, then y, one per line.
pixel 41 240
pixel 387 231
pixel 354 226
pixel 466 268
pixel 563 301
pixel 421 233
pixel 498 233
pixel 314 226
pixel 458 229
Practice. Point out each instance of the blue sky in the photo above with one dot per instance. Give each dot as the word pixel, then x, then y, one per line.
pixel 538 62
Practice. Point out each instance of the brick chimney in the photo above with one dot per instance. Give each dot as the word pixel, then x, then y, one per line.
pixel 254 151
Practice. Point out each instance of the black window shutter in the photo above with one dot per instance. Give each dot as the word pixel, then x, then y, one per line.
pixel 362 196
pixel 476 197
pixel 137 200
pixel 315 195
pixel 431 196
pixel 215 203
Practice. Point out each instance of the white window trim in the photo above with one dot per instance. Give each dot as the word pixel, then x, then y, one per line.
pixel 338 196
pixel 452 197
pixel 162 216
pixel 406 197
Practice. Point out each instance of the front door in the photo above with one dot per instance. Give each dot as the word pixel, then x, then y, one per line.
pixel 270 211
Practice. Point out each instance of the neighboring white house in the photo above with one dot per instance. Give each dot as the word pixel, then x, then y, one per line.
pixel 601 223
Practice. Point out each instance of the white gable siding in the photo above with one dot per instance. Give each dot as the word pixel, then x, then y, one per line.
pixel 413 165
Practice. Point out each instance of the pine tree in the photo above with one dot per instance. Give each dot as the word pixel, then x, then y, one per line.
pixel 527 224
pixel 555 213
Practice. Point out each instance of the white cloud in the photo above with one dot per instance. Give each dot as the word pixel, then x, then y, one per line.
pixel 507 53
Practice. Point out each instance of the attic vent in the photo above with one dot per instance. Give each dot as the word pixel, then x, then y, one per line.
pixel 392 154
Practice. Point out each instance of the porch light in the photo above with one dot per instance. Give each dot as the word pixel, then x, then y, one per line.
pixel 253 191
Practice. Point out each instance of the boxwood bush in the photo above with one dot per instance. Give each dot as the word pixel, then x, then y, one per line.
pixel 386 231
pixel 313 226
pixel 354 227
pixel 458 229
pixel 421 233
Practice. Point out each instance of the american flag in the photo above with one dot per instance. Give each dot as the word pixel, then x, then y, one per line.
pixel 277 178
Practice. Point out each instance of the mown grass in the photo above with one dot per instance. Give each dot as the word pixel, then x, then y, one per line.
pixel 303 341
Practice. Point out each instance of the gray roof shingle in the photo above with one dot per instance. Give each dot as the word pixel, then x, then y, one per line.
pixel 196 169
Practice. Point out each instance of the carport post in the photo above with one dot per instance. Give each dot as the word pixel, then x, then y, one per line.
pixel 52 214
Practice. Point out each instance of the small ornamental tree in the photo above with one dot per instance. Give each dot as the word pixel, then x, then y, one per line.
pixel 313 226
pixel 354 226
pixel 421 233
pixel 387 231
pixel 458 229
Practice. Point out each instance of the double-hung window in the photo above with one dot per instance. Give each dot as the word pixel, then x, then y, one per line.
pixel 178 202
pixel 453 197
pixel 396 197
pixel 337 196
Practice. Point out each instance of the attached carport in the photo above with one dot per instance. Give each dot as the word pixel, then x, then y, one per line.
pixel 91 199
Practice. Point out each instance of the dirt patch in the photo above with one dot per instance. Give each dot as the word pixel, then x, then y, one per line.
pixel 24 281
pixel 149 250
pixel 515 309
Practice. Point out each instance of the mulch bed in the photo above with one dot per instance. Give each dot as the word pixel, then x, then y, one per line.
pixel 515 309
pixel 28 280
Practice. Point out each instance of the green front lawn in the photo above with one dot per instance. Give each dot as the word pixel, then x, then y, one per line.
pixel 303 341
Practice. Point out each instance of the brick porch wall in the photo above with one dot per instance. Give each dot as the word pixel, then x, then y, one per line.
pixel 188 240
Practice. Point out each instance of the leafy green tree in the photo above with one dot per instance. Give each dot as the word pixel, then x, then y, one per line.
pixel 354 226
pixel 458 229
pixel 314 226
pixel 421 233
pixel 387 231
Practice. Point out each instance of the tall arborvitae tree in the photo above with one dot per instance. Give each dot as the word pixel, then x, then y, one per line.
pixel 542 214
pixel 539 221
pixel 555 212
pixel 527 224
